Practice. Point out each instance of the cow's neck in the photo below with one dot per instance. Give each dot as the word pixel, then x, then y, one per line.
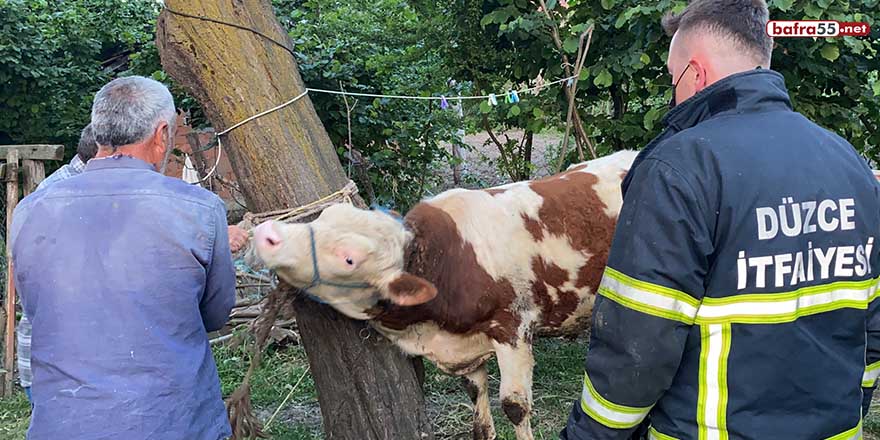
pixel 394 317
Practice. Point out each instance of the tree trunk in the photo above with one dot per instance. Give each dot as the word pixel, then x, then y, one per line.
pixel 527 155
pixel 367 388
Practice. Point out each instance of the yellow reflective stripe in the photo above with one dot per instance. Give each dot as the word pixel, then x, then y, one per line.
pixel 804 291
pixel 703 386
pixel 722 381
pixel 852 434
pixel 712 396
pixel 872 372
pixel 654 434
pixel 776 308
pixel 653 288
pixel 608 413
pixel 648 298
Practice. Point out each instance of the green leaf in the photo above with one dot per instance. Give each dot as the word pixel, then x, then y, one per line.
pixel 571 44
pixel 551 4
pixel 855 44
pixel 876 88
pixel 514 111
pixel 621 19
pixel 651 117
pixel 607 4
pixel 645 59
pixel 830 52
pixel 783 5
pixel 812 11
pixel 538 113
pixel 603 79
pixel 485 107
pixel 585 73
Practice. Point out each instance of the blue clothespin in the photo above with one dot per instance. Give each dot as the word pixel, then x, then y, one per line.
pixel 492 100
pixel 514 96
pixel 569 82
pixel 444 104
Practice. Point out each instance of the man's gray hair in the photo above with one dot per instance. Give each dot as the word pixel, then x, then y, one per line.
pixel 127 111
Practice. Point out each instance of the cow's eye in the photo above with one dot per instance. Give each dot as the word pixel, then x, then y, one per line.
pixel 349 261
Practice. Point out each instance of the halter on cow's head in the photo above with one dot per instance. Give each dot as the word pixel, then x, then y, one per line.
pixel 349 258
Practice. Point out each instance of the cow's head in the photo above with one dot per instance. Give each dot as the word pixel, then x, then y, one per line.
pixel 348 257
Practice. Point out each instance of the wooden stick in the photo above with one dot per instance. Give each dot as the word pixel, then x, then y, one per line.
pixel 582 55
pixel 557 40
pixel 33 172
pixel 35 152
pixel 247 286
pixel 220 339
pixel 11 201
pixel 266 280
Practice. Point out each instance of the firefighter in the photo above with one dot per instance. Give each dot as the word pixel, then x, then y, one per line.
pixel 740 285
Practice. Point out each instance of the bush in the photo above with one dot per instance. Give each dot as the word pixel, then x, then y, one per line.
pixel 376 47
pixel 54 56
pixel 624 87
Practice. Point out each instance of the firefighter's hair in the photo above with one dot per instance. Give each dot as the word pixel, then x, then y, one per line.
pixel 741 21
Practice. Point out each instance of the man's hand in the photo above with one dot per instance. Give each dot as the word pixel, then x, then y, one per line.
pixel 238 238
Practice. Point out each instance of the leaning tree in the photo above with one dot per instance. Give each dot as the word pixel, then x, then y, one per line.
pixel 367 389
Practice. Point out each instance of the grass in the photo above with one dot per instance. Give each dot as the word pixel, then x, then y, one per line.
pixel 14 416
pixel 558 375
pixel 557 382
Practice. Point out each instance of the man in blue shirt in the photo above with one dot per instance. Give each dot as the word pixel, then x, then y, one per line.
pixel 122 301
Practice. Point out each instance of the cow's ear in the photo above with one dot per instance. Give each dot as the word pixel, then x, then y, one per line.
pixel 409 290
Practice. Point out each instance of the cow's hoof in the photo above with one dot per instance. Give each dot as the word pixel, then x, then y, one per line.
pixel 515 410
pixel 483 431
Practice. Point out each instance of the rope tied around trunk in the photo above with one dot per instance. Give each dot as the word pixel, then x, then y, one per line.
pixel 292 215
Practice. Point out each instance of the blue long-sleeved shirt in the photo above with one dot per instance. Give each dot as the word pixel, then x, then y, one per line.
pixel 122 272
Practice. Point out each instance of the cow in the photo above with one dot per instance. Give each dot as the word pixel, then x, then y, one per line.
pixel 467 274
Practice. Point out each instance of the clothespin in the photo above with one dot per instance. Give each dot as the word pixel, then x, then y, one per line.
pixel 569 82
pixel 492 100
pixel 539 84
pixel 444 104
pixel 509 98
pixel 514 96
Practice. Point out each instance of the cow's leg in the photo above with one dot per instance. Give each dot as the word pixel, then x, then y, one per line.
pixel 516 363
pixel 477 386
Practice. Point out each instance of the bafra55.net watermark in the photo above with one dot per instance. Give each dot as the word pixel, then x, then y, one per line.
pixel 817 28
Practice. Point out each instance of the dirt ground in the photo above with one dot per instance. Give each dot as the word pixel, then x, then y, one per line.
pixel 480 169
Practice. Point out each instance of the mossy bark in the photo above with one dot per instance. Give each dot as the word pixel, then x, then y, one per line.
pixel 367 388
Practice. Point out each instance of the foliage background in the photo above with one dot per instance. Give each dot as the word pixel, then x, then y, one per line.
pixel 54 55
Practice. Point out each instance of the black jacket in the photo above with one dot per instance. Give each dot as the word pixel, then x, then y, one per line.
pixel 740 283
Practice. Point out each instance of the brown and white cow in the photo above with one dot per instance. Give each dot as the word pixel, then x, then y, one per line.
pixel 466 274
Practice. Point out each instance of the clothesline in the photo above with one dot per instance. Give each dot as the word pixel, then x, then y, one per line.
pixel 512 97
pixel 443 97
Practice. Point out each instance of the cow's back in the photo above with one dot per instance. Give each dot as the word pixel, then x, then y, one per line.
pixel 523 256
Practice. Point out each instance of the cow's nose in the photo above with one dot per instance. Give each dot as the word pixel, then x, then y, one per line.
pixel 266 236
